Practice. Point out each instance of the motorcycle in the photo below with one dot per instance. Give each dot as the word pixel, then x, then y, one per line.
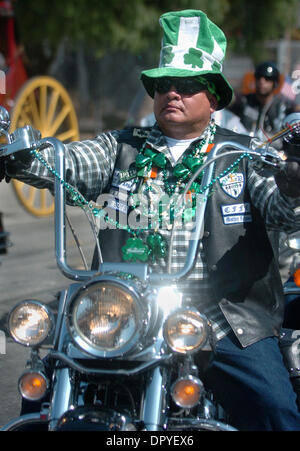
pixel 124 352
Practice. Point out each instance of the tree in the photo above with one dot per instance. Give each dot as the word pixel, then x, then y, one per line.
pixel 133 25
pixel 249 24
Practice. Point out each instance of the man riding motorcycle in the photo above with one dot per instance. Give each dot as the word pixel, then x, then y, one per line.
pixel 263 111
pixel 236 280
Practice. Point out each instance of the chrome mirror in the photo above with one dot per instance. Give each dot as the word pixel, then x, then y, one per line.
pixel 293 242
pixel 4 118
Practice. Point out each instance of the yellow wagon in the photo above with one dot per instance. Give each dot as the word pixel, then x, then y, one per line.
pixel 41 101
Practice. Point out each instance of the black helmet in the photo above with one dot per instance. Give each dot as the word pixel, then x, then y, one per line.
pixel 267 70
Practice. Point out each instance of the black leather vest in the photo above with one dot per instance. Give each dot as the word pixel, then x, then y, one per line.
pixel 242 267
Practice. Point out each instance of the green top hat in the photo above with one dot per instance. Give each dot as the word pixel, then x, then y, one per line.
pixel 192 45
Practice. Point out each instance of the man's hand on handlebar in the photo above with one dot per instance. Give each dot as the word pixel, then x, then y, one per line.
pixel 20 159
pixel 288 180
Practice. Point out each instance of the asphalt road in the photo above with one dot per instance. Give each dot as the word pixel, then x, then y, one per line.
pixel 28 270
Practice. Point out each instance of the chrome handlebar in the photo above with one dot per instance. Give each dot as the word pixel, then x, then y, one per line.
pixel 29 138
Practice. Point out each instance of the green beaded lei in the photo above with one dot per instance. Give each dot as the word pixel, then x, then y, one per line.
pixel 154 246
pixel 191 162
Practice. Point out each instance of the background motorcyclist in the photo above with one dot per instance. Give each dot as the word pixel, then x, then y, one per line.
pixel 263 111
pixel 243 300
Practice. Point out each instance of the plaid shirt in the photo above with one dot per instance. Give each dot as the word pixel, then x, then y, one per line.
pixel 90 167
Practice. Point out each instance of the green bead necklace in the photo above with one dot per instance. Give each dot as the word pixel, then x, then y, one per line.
pixel 191 162
pixel 155 247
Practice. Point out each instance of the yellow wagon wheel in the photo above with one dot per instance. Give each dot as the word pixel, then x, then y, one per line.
pixel 45 104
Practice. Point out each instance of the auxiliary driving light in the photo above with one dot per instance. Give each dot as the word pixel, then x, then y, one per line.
pixel 186 391
pixel 30 323
pixel 186 330
pixel 296 277
pixel 33 385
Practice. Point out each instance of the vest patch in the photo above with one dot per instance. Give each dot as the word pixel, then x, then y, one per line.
pixel 233 184
pixel 141 132
pixel 123 180
pixel 124 176
pixel 236 219
pixel 235 209
pixel 236 213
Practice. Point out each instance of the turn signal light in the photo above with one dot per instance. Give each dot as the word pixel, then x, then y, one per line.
pixel 186 392
pixel 297 277
pixel 33 385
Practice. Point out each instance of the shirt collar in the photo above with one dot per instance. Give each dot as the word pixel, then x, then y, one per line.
pixel 157 141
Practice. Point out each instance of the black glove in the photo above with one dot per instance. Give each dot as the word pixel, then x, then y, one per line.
pixel 288 180
pixel 3 170
pixel 20 160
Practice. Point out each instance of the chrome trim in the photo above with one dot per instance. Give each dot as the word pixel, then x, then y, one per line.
pixel 62 396
pixel 198 424
pixel 97 416
pixel 29 418
pixel 291 290
pixel 22 138
pixel 95 371
pixel 153 413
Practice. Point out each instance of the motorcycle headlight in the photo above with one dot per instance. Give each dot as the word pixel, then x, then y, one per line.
pixel 106 319
pixel 30 323
pixel 186 330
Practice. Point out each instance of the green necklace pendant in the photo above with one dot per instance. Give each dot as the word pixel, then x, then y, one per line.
pixel 157 244
pixel 160 160
pixel 192 163
pixel 150 158
pixel 181 172
pixel 142 160
pixel 135 250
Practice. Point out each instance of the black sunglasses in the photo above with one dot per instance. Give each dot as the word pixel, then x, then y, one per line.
pixel 271 78
pixel 186 86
